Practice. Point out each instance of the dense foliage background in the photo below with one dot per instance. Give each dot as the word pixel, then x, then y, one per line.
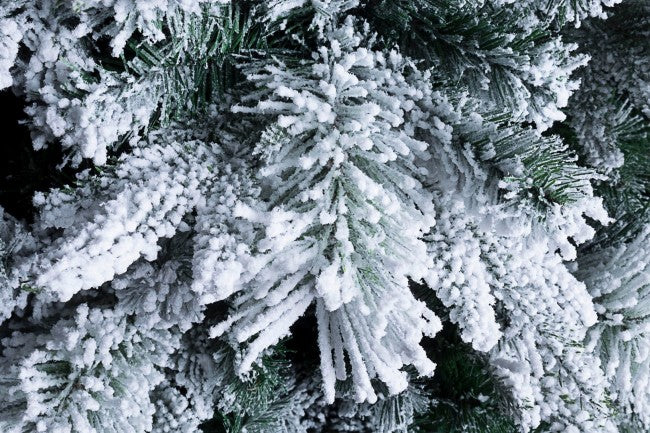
pixel 325 215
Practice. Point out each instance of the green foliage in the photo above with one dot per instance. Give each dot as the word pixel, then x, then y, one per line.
pixel 534 169
pixel 195 64
pixel 610 115
pixel 627 193
pixel 477 45
pixel 542 168
pixel 466 396
pixel 456 35
pixel 262 401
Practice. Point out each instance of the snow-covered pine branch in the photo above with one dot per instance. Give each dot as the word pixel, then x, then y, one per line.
pixel 348 213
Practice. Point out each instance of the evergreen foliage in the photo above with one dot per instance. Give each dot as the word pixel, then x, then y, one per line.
pixel 294 216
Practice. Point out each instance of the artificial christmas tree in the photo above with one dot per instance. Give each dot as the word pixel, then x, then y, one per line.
pixel 325 215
